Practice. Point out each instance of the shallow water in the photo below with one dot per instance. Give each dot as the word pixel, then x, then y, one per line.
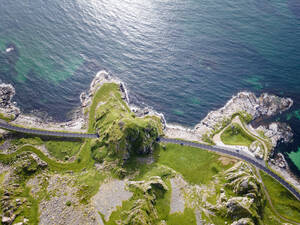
pixel 183 58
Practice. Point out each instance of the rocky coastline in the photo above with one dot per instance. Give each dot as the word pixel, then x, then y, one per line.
pixel 264 106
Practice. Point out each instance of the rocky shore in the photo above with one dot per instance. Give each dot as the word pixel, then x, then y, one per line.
pixel 264 106
pixel 7 107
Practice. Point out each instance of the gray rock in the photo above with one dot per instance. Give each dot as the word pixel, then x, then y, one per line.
pixel 9 109
pixel 243 221
pixel 265 105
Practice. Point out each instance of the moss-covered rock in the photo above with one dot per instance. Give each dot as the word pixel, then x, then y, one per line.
pixel 122 134
pixel 243 221
pixel 249 198
pixel 143 211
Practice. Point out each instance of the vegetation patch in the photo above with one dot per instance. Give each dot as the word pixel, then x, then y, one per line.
pixel 196 166
pixel 121 133
pixel 235 135
pixel 283 201
pixel 6 118
pixel 63 150
pixel 244 116
pixel 187 217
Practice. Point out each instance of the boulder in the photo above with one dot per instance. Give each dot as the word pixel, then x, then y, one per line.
pixel 243 221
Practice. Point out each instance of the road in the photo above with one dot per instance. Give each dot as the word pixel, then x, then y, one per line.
pixel 260 164
pixel 9 127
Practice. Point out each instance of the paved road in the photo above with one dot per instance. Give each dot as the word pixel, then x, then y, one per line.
pixel 7 126
pixel 260 164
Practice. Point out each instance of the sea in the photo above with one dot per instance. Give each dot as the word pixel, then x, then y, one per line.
pixel 183 58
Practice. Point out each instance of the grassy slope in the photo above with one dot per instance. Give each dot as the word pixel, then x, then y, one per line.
pixel 62 149
pixel 283 201
pixel 236 137
pixel 196 166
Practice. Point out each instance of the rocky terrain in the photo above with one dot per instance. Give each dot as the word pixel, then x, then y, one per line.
pixel 110 181
pixel 265 105
pixel 8 108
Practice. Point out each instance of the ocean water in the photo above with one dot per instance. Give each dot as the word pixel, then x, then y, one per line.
pixel 183 58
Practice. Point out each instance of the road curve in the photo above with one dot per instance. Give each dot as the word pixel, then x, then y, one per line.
pixel 260 164
pixel 10 127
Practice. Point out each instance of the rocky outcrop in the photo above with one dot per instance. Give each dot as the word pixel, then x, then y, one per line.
pixel 101 78
pixel 249 196
pixel 243 221
pixel 143 210
pixel 277 132
pixel 265 105
pixel 279 161
pixel 7 107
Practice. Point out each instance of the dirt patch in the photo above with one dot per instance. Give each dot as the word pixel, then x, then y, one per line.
pixel 226 160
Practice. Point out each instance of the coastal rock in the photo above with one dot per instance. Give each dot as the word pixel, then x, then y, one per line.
pixel 7 108
pixel 265 105
pixel 101 78
pixel 277 132
pixel 279 161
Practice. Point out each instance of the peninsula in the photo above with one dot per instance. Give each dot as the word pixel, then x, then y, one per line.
pixel 115 163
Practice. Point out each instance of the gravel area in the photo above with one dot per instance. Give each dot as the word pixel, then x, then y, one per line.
pixel 177 199
pixel 110 195
pixel 176 131
pixel 63 206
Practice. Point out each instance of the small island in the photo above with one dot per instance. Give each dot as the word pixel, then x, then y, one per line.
pixel 139 169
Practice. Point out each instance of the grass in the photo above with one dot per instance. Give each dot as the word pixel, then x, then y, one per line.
pixel 89 184
pixel 63 150
pixel 187 217
pixel 2 175
pixel 84 159
pixel 236 136
pixel 103 95
pixel 197 166
pixel 283 201
pixel 6 118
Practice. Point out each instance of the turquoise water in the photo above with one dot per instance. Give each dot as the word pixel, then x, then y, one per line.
pixel 295 157
pixel 183 58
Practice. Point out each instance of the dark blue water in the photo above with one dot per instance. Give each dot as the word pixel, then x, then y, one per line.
pixel 183 58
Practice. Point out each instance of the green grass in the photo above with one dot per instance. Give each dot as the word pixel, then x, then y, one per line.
pixel 186 218
pixel 283 201
pixel 63 149
pixel 89 184
pixel 2 175
pixel 104 94
pixel 236 136
pixel 84 159
pixel 197 166
pixel 6 118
